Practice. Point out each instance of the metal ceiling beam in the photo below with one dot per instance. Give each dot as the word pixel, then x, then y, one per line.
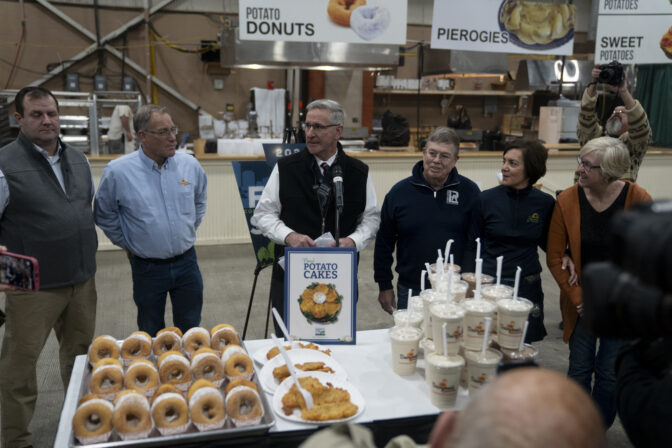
pixel 113 35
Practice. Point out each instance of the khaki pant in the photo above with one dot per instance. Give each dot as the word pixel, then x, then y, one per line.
pixel 71 312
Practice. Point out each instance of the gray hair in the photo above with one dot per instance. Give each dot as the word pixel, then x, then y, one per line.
pixel 445 135
pixel 615 158
pixel 336 112
pixel 144 114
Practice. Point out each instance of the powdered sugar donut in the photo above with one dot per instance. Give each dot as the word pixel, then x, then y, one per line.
pixel 370 22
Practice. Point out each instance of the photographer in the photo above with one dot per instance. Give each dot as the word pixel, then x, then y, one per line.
pixel 628 123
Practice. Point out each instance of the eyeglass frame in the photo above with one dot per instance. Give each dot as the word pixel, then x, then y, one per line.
pixel 443 157
pixel 163 132
pixel 318 127
pixel 587 166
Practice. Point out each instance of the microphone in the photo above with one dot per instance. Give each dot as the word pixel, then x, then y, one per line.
pixel 337 179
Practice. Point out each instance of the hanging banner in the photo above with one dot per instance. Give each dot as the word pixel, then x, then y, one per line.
pixel 358 21
pixel 321 294
pixel 251 178
pixel 504 26
pixel 634 32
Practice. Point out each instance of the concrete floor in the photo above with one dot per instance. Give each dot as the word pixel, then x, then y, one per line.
pixel 228 272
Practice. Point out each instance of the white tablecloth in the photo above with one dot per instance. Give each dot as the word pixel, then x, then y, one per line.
pixel 369 368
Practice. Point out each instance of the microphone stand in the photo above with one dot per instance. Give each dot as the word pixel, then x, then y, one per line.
pixel 337 227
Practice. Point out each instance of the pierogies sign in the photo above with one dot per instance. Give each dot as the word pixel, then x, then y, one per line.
pixel 352 21
pixel 320 294
pixel 504 26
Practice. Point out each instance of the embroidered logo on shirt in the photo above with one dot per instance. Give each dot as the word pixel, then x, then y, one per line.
pixel 533 218
pixel 184 182
pixel 452 197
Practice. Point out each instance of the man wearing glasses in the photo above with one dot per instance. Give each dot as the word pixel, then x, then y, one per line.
pixel 419 215
pixel 150 203
pixel 290 212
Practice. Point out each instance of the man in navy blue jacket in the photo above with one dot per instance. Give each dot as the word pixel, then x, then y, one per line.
pixel 420 214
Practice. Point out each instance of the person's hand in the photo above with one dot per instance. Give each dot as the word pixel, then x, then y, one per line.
pixel 568 263
pixel 387 301
pixel 299 240
pixel 595 72
pixel 344 242
pixel 129 137
pixel 579 309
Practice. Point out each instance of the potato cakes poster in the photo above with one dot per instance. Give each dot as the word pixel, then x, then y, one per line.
pixel 321 294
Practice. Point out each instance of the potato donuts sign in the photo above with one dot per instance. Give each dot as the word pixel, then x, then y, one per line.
pixel 320 294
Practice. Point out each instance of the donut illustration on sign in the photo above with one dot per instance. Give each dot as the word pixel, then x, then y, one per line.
pixel 367 21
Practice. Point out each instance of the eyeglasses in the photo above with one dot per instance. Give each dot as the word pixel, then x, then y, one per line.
pixel 317 127
pixel 443 156
pixel 163 132
pixel 586 166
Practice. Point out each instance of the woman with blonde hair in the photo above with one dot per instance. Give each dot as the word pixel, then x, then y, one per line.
pixel 581 221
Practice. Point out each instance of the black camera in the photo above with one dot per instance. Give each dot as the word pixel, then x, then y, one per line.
pixel 631 296
pixel 611 73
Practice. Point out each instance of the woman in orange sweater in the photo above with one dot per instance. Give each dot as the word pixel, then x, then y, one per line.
pixel 581 221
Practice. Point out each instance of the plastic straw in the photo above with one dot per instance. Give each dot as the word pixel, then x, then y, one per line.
pixel 439 268
pixel 478 248
pixel 488 321
pixel 450 277
pixel 500 259
pixel 522 341
pixel 447 252
pixel 517 283
pixel 479 273
pixel 445 338
pixel 423 274
pixel 410 293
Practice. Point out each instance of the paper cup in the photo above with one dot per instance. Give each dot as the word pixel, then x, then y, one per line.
pixel 474 322
pixel 443 374
pixel 528 353
pixel 453 316
pixel 493 293
pixel 404 342
pixel 470 278
pixel 481 370
pixel 407 316
pixel 512 317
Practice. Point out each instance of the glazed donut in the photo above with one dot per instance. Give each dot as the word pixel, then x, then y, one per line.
pixel 236 383
pixel 197 385
pixel 206 365
pixel 164 389
pixel 167 340
pixel 370 22
pixel 339 10
pixel 223 335
pixel 136 346
pixel 206 407
pixel 175 330
pixel 107 377
pixel 169 411
pixel 174 368
pixel 141 376
pixel 92 422
pixel 239 366
pixel 244 406
pixel 104 346
pixel 131 417
pixel 194 339
pixel 231 350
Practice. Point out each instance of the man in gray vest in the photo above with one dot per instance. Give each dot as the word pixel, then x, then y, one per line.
pixel 46 191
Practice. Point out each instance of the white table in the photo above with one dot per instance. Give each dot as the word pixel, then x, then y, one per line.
pixel 369 367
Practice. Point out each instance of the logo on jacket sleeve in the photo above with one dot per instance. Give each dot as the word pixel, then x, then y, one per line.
pixel 533 218
pixel 452 197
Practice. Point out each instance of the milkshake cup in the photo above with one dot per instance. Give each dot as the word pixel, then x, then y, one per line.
pixel 433 275
pixel 512 317
pixel 528 353
pixel 453 316
pixel 493 293
pixel 443 378
pixel 474 322
pixel 428 297
pixel 459 290
pixel 481 370
pixel 470 278
pixel 401 317
pixel 415 304
pixel 404 342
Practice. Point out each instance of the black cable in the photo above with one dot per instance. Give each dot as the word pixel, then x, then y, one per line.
pixel 18 67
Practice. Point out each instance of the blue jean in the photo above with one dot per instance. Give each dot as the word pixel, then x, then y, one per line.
pixel 402 296
pixel 153 280
pixel 584 361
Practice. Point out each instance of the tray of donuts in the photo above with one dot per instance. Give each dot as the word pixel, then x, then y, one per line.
pixel 143 391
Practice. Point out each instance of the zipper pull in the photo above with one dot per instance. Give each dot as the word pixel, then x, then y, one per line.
pixel 434 194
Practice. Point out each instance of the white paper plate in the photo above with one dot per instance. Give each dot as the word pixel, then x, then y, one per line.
pixel 297 356
pixel 355 397
pixel 260 355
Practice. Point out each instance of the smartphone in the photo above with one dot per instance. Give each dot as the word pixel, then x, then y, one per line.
pixel 19 271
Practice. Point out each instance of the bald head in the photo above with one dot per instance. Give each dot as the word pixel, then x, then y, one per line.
pixel 527 407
